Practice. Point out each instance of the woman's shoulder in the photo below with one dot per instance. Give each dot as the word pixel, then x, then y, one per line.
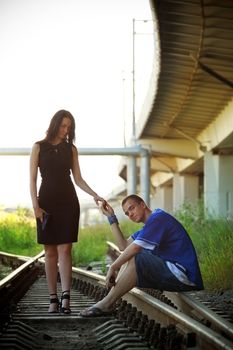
pixel 40 142
pixel 73 147
pixel 42 145
pixel 36 145
pixel 35 149
pixel 70 144
pixel 70 147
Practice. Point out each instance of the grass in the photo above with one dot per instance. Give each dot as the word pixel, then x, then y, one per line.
pixel 212 239
pixel 17 233
pixel 92 242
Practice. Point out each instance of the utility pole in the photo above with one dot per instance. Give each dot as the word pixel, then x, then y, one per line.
pixel 133 88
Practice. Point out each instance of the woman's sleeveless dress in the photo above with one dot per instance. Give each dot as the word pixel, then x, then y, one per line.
pixel 57 195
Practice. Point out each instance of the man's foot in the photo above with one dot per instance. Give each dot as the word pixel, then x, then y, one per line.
pixel 95 311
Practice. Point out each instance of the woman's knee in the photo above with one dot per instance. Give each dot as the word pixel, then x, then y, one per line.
pixel 64 249
pixel 51 251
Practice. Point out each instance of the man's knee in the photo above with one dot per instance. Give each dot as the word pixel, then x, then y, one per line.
pixel 128 268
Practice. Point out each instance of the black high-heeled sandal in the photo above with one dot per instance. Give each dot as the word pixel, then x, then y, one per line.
pixel 63 309
pixel 54 301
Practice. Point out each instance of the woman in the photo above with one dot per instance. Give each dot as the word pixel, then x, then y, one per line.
pixel 56 207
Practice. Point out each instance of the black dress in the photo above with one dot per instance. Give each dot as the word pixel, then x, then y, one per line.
pixel 57 195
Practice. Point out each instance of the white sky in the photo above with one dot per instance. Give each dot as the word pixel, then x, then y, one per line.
pixel 76 55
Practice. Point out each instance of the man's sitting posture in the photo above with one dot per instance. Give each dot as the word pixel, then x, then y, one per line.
pixel 160 255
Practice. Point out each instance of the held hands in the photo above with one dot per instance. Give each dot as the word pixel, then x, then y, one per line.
pixel 106 209
pixel 98 199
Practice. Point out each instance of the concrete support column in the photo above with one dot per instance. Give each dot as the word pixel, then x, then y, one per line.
pixel 218 184
pixel 131 175
pixel 145 176
pixel 163 198
pixel 185 190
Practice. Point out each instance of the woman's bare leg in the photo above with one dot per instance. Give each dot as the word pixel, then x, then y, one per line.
pixel 65 268
pixel 51 260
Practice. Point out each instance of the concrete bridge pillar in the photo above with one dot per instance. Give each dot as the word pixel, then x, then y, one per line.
pixel 163 198
pixel 218 184
pixel 185 190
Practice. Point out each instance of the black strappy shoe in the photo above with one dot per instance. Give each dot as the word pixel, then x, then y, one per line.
pixel 65 296
pixel 54 301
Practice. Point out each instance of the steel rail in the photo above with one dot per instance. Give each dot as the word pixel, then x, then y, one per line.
pixel 29 261
pixel 188 305
pixel 206 338
pixel 155 309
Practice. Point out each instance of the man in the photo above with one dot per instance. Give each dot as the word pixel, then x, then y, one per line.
pixel 160 255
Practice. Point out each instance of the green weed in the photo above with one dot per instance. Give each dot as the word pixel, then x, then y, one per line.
pixel 213 240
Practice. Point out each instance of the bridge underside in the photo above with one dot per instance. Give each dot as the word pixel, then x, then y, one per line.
pixel 187 118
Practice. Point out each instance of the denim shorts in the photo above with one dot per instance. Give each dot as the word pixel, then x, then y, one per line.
pixel 152 272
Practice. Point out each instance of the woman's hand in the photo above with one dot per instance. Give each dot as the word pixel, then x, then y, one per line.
pixel 98 199
pixel 39 213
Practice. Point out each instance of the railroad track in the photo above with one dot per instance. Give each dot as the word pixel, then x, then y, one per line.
pixel 189 304
pixel 143 319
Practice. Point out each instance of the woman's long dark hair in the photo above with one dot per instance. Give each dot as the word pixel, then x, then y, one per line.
pixel 55 124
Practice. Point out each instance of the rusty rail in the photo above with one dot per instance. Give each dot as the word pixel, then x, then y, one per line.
pixel 141 320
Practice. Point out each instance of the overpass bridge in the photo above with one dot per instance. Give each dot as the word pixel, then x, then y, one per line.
pixel 187 119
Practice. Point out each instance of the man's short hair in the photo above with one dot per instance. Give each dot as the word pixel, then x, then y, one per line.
pixel 134 197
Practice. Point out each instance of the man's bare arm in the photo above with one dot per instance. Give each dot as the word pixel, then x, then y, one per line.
pixel 121 241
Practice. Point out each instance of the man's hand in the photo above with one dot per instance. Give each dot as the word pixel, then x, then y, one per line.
pixel 106 209
pixel 110 278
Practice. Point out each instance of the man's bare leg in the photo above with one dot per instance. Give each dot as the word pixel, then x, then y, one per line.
pixel 125 282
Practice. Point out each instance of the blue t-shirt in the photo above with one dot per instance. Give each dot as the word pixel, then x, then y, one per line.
pixel 168 239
